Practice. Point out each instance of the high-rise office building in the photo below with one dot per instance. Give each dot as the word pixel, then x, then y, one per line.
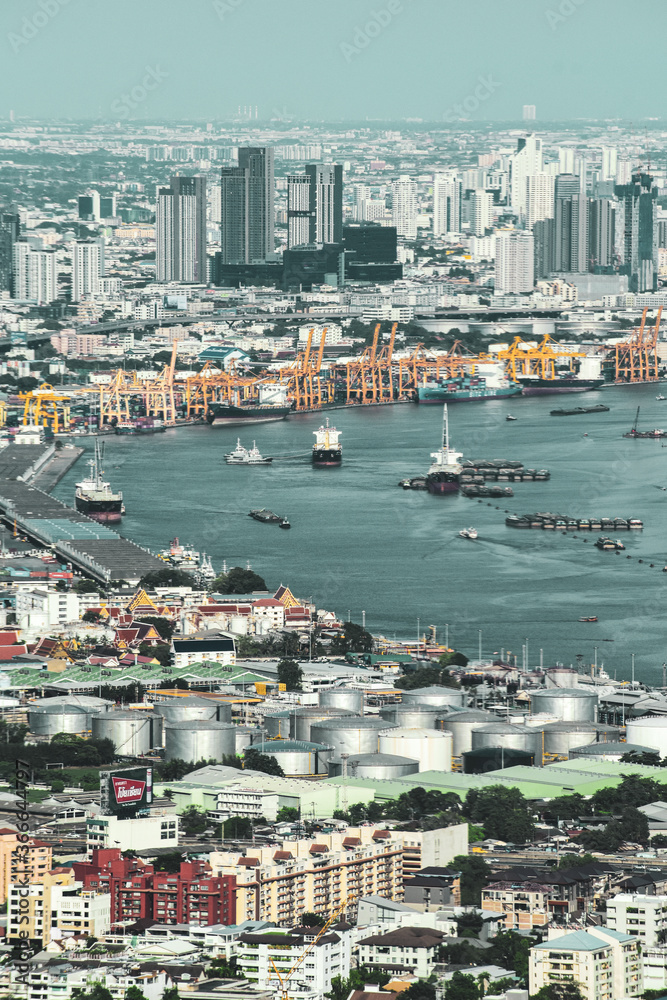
pixel 539 198
pixel 247 207
pixel 87 268
pixel 315 205
pixel 298 210
pixel 446 205
pixel 35 275
pixel 602 233
pixel 480 212
pixel 543 234
pixel 107 206
pixel 404 207
pixel 526 162
pixel 529 112
pixel 10 228
pixel 180 230
pixel 515 263
pixel 571 244
pixel 89 206
pixel 640 232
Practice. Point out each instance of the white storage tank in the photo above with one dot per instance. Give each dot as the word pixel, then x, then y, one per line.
pixel 347 698
pixel 431 748
pixel 191 708
pixel 373 765
pixel 411 716
pixel 441 697
pixel 199 739
pixel 132 732
pixel 649 731
pixel 349 735
pixel 298 757
pixel 302 719
pixel 246 736
pixel 569 704
pixel 607 751
pixel 462 724
pixel 502 734
pixel 47 720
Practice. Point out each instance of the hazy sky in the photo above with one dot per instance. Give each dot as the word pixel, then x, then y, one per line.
pixel 332 59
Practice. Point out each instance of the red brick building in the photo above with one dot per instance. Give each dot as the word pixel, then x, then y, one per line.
pixel 138 892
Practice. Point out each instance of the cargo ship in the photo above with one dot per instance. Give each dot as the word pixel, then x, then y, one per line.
pixel 94 497
pixel 272 405
pixel 445 470
pixel 488 383
pixel 588 377
pixel 327 449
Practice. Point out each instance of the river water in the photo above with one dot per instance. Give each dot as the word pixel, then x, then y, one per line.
pixel 359 543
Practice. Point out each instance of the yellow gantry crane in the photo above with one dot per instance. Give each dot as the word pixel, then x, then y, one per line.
pixel 284 980
pixel 44 406
pixel 637 358
pixel 542 361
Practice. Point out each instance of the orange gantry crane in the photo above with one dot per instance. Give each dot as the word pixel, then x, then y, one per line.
pixel 541 361
pixel 304 380
pixel 44 406
pixel 636 359
pixel 421 365
pixel 370 378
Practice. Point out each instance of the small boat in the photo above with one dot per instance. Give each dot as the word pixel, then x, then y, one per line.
pixel 589 618
pixel 266 516
pixel 468 533
pixel 284 523
pixel 660 396
pixel 245 456
pixel 609 544
pixel 510 417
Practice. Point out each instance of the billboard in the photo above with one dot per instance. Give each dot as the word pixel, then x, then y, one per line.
pixel 123 793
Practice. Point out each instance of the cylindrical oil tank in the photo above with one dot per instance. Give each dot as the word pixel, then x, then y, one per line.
pixel 224 711
pixel 441 697
pixel 246 736
pixel 561 677
pixel 433 749
pixel 192 708
pixel 277 725
pixel 200 739
pixel 411 716
pixel 47 720
pixel 461 726
pixel 537 721
pixel 302 719
pixel 608 751
pixel 347 698
pixel 494 759
pixel 560 737
pixel 373 765
pixel 349 735
pixel 298 757
pixel 650 731
pixel 609 734
pixel 131 732
pixel 568 704
pixel 90 702
pixel 503 735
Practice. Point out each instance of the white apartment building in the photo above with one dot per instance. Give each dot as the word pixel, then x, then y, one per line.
pixel 75 912
pixel 539 198
pixel 41 607
pixel 446 205
pixel 57 981
pixel 262 956
pixel 643 917
pixel 515 263
pixel 525 162
pixel 87 268
pixel 605 963
pixel 404 207
pixel 654 967
pixel 410 949
pixel 35 274
pixel 480 212
pixel 160 830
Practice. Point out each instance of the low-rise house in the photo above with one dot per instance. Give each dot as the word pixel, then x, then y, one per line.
pixel 407 949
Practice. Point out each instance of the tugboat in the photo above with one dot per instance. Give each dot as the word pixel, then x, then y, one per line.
pixel 183 556
pixel 327 449
pixel 589 618
pixel 468 533
pixel 245 456
pixel 94 497
pixel 510 417
pixel 443 475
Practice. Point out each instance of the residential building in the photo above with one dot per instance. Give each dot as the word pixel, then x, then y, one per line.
pixel 539 198
pixel 35 275
pixel 404 207
pixel 525 162
pixel 193 895
pixel 528 112
pixel 10 228
pixel 525 905
pixel 515 263
pixel 42 607
pixel 180 230
pixel 79 344
pixel 446 205
pixel 603 962
pixel 298 210
pixel 480 212
pixel 609 164
pixel 641 916
pixel 32 860
pixel 266 957
pixel 544 236
pixel 210 644
pixel 315 205
pixel 79 913
pixel 156 830
pixel 90 206
pixel 602 233
pixel 654 967
pixel 407 949
pixel 29 906
pixel 571 238
pixel 639 232
pixel 432 888
pixel 87 268
pixel 247 207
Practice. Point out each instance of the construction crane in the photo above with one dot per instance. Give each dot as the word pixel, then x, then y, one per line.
pixel 283 992
pixel 636 359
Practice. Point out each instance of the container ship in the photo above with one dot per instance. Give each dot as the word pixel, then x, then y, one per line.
pixel 272 405
pixel 94 497
pixel 488 383
pixel 445 470
pixel 327 449
pixel 589 376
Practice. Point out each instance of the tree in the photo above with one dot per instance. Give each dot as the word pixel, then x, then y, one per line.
pixel 460 987
pixel 170 863
pixel 57 786
pixel 91 616
pixel 475 874
pixel 503 812
pixel 237 828
pixel 354 639
pixel 310 919
pixel 134 993
pixel 425 677
pixel 167 577
pixel 511 951
pixel 96 992
pixel 287 814
pixel 290 674
pixel 238 581
pixel 86 586
pixel 421 990
pixel 576 862
pixel 563 991
pixel 193 821
pixel 161 653
pixel 253 760
pixel 170 993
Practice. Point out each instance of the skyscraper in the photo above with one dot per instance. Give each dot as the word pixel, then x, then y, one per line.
pixel 529 112
pixel 640 236
pixel 446 205
pixel 515 263
pixel 524 163
pixel 315 205
pixel 298 210
pixel 180 230
pixel 571 244
pixel 35 277
pixel 9 233
pixel 404 209
pixel 539 198
pixel 602 233
pixel 247 207
pixel 609 164
pixel 480 212
pixel 87 268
